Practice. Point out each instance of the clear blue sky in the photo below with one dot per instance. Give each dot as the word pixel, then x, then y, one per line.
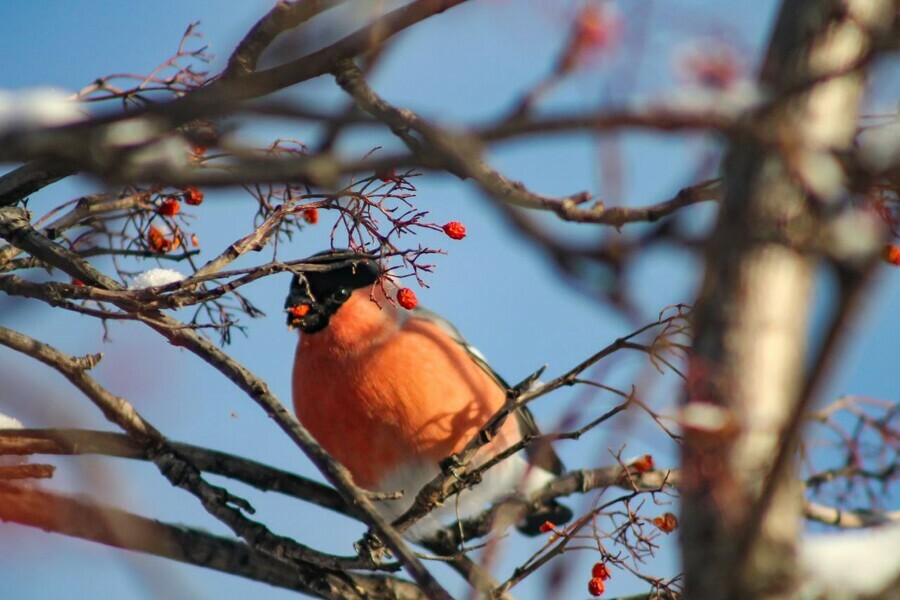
pixel 467 64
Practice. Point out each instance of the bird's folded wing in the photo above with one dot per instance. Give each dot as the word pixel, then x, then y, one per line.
pixel 539 454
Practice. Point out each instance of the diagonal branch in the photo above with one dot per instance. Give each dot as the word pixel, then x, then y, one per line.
pixel 29 178
pixel 282 17
pixel 179 472
pixel 356 44
pixel 461 153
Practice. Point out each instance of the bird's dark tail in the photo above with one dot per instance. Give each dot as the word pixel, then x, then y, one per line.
pixel 553 511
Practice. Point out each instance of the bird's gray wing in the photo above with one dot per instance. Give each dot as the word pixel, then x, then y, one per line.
pixel 540 455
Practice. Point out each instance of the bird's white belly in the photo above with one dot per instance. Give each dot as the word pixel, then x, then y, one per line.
pixel 512 476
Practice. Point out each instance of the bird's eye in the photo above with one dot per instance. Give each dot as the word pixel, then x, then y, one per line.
pixel 342 294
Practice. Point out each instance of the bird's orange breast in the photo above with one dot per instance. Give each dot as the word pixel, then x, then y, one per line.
pixel 378 395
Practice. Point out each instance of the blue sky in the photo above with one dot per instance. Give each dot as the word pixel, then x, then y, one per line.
pixel 468 64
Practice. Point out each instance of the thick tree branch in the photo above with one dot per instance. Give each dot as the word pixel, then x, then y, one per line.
pixel 848 519
pixel 356 44
pixel 258 475
pixel 113 527
pixel 28 179
pixel 284 15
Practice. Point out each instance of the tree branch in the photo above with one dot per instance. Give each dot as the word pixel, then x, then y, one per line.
pixel 283 16
pixel 258 475
pixel 217 501
pixel 120 529
pixel 460 154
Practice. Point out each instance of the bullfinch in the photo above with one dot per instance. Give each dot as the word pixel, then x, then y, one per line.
pixel 390 393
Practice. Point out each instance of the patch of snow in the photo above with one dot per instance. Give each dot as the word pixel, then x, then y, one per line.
pixel 851 564
pixel 36 107
pixel 132 132
pixel 7 422
pixel 166 153
pixel 154 278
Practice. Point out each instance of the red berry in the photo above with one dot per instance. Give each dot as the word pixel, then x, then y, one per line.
pixel 311 215
pixel 158 242
pixel 299 310
pixel 169 207
pixel 547 527
pixel 455 230
pixel 596 586
pixel 600 572
pixel 643 464
pixel 193 196
pixel 407 298
pixel 667 523
pixel 891 254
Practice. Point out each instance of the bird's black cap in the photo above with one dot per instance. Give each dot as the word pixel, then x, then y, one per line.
pixel 315 296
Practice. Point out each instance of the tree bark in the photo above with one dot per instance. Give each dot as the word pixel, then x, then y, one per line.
pixel 751 320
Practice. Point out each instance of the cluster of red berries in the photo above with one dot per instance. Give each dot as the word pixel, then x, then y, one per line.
pixel 171 206
pixel 158 241
pixel 405 296
pixel 596 28
pixel 716 68
pixel 599 574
